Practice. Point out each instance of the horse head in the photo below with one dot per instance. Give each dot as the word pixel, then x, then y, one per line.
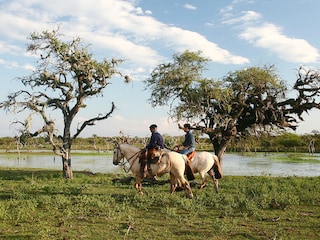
pixel 117 154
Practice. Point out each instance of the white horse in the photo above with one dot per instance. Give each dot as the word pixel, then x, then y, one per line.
pixel 169 162
pixel 206 163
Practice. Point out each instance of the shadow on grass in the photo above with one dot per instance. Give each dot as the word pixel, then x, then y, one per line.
pixel 13 179
pixel 145 182
pixel 149 182
pixel 22 174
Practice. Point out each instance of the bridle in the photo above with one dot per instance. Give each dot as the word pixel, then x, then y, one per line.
pixel 122 158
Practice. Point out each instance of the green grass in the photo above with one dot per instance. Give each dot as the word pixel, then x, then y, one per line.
pixel 298 158
pixel 290 157
pixel 42 205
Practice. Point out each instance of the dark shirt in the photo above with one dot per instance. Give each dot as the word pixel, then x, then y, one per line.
pixel 156 140
pixel 189 140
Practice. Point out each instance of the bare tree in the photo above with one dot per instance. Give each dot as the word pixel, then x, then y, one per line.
pixel 66 76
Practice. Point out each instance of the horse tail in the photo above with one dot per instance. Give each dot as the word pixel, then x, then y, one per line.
pixel 217 168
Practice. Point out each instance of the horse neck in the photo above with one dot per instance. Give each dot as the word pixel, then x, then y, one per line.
pixel 129 151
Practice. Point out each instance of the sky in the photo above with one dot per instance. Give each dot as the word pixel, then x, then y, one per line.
pixel 233 34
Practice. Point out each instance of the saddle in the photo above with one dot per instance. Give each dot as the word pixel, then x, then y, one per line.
pixel 191 155
pixel 152 156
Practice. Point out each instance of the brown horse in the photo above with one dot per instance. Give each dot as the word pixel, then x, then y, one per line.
pixel 169 162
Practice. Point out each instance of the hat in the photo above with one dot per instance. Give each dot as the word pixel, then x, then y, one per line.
pixel 153 126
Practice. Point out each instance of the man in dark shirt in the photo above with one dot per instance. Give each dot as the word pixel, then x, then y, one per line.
pixel 189 144
pixel 156 143
pixel 156 140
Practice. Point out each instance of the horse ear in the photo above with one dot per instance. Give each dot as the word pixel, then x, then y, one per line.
pixel 116 144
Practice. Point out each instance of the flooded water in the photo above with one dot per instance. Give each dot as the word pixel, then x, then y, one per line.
pixel 258 165
pixel 232 164
pixel 92 163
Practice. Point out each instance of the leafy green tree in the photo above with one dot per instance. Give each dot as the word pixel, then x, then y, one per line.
pixel 249 101
pixel 289 140
pixel 65 77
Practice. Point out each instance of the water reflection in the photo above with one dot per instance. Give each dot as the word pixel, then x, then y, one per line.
pixel 266 165
pixel 232 165
pixel 93 163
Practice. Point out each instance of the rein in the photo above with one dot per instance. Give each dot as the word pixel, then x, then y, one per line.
pixel 128 159
pixel 171 149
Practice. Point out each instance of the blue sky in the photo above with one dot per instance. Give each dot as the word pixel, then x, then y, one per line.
pixel 234 34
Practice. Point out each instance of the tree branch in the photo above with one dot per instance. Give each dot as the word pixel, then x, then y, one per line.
pixel 92 121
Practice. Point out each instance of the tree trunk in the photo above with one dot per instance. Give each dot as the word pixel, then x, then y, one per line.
pixel 67 142
pixel 221 138
pixel 220 147
pixel 66 167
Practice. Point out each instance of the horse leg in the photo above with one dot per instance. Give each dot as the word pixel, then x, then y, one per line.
pixel 215 181
pixel 216 184
pixel 188 189
pixel 173 183
pixel 138 184
pixel 185 184
pixel 204 180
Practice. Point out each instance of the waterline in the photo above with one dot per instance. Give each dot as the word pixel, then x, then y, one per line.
pixel 233 164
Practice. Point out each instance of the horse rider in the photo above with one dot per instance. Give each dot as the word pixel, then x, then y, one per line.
pixel 189 144
pixel 156 143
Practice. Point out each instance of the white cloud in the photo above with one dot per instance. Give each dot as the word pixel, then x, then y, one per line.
pixel 189 6
pixel 29 67
pixel 132 52
pixel 208 24
pixel 246 17
pixel 140 69
pixel 194 41
pixel 226 9
pixel 118 118
pixel 9 48
pixel 270 37
pixel 9 64
pixel 139 10
pixel 124 32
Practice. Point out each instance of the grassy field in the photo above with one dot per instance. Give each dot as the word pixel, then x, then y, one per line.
pixel 42 205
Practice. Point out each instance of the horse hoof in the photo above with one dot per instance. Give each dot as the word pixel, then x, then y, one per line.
pixel 190 196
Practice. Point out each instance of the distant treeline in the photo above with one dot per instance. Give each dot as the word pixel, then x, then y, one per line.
pixel 285 142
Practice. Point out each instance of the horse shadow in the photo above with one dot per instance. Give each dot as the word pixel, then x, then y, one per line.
pixel 145 181
pixel 150 182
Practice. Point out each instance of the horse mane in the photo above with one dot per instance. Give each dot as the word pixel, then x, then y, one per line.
pixel 130 145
